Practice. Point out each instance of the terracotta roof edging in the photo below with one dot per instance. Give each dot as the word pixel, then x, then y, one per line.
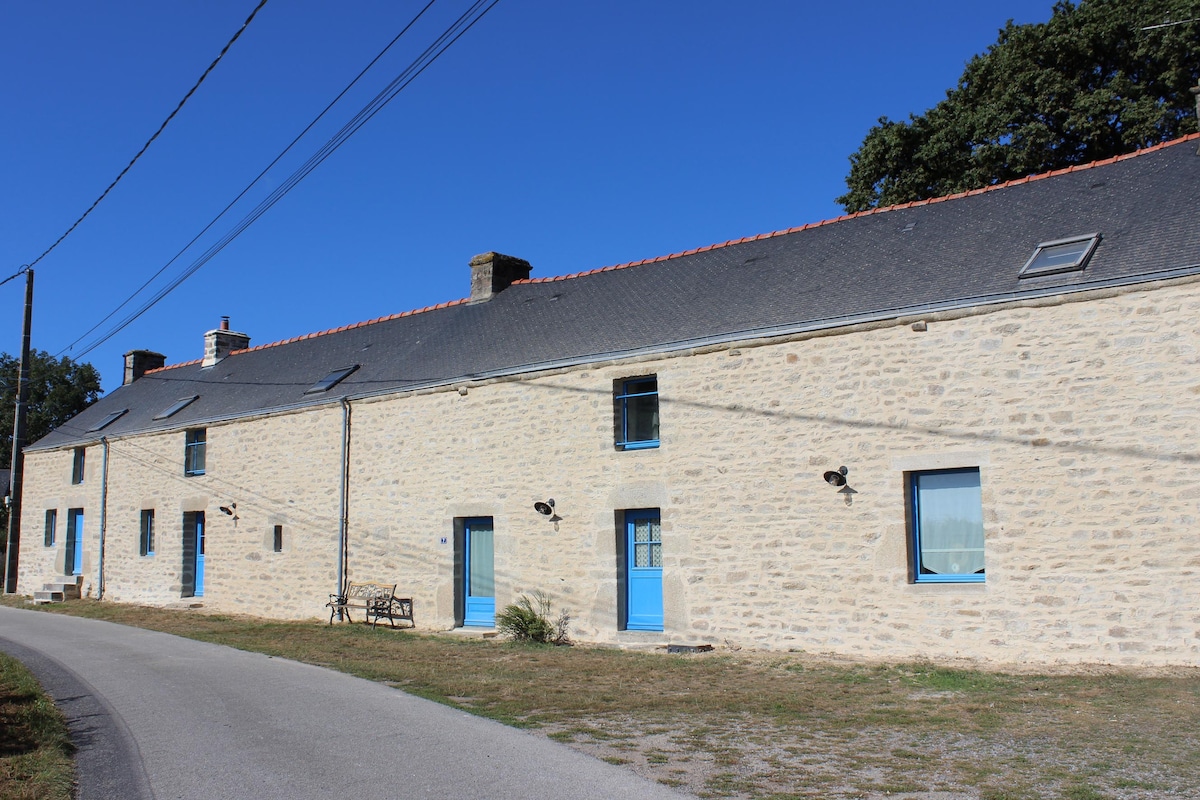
pixel 728 243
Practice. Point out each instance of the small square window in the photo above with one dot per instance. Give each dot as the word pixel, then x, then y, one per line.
pixel 194 451
pixel 637 413
pixel 146 544
pixel 277 539
pixel 946 526
pixel 78 465
pixel 51 526
pixel 1060 255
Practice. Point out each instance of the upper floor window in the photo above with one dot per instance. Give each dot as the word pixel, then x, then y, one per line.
pixel 78 465
pixel 193 451
pixel 277 539
pixel 946 522
pixel 637 413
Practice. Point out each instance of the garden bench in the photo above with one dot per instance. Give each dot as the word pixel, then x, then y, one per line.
pixel 377 600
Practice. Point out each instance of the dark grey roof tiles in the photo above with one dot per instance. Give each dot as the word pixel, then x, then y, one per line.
pixel 964 250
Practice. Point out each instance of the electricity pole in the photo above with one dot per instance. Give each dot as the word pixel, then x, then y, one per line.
pixel 18 444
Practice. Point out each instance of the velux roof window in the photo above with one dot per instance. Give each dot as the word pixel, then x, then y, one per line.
pixel 109 420
pixel 331 380
pixel 1060 255
pixel 176 407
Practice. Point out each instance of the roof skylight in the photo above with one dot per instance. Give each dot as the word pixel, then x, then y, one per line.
pixel 109 420
pixel 175 407
pixel 1060 255
pixel 331 380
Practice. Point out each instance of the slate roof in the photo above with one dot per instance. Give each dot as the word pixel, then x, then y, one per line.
pixel 964 250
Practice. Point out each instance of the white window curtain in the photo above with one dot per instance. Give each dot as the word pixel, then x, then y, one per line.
pixel 950 522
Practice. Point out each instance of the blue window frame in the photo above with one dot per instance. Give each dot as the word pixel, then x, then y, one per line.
pixel 946 524
pixel 146 543
pixel 194 451
pixel 51 526
pixel 637 413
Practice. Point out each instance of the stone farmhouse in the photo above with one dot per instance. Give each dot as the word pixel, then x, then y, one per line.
pixel 966 427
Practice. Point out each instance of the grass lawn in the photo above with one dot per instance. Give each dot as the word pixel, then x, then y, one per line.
pixel 35 749
pixel 758 725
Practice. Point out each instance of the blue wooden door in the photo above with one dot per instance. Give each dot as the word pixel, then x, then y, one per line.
pixel 73 563
pixel 199 534
pixel 643 549
pixel 479 576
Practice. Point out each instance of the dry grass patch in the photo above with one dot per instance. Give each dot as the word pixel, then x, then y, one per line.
pixel 777 726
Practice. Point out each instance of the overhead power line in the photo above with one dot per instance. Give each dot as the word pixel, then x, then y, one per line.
pixel 448 37
pixel 161 128
pixel 252 183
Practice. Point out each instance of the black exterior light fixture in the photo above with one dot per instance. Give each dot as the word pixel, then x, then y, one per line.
pixel 836 477
pixel 546 509
pixel 230 511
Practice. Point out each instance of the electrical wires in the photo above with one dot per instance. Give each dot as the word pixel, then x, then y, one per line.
pixel 448 37
pixel 161 128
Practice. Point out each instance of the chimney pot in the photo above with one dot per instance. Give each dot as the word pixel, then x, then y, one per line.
pixel 139 362
pixel 492 273
pixel 224 323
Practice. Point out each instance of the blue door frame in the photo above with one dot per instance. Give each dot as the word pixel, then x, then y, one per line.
pixel 643 570
pixel 73 563
pixel 199 534
pixel 479 575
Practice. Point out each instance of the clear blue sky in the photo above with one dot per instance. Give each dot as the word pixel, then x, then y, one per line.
pixel 574 135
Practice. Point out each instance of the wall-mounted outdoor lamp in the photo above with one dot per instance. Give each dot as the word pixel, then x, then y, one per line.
pixel 837 477
pixel 230 511
pixel 546 509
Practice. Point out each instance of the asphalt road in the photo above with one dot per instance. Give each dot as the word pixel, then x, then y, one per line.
pixel 158 716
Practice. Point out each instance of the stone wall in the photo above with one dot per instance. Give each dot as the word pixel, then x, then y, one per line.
pixel 1081 414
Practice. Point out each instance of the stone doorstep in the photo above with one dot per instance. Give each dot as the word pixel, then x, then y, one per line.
pixel 64 587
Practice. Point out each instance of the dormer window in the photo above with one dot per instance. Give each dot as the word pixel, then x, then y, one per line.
pixel 1060 255
pixel 331 380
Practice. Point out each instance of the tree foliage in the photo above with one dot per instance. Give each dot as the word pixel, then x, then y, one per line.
pixel 59 388
pixel 1096 80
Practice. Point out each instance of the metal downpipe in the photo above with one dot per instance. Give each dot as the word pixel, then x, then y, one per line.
pixel 343 491
pixel 103 520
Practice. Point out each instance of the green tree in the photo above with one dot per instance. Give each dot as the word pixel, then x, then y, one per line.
pixel 1099 79
pixel 59 388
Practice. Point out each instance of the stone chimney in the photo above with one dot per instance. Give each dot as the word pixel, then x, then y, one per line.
pixel 492 273
pixel 139 362
pixel 222 342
